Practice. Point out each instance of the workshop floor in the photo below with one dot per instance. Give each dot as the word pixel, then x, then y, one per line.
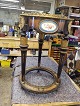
pixel 5 86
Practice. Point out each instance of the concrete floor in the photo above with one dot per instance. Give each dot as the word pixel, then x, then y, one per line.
pixel 5 86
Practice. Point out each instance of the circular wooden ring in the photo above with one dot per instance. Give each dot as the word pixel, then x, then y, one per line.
pixel 40 89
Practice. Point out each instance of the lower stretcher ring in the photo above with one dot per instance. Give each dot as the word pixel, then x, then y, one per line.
pixel 40 89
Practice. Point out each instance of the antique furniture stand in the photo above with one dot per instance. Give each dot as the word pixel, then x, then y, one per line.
pixel 44 26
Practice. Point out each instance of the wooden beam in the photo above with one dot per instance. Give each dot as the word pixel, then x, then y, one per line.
pixel 51 104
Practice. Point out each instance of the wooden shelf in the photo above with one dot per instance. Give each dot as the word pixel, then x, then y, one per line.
pixel 18 53
pixel 72 12
pixel 14 43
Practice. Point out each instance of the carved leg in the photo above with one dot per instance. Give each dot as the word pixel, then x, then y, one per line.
pixel 23 63
pixel 40 41
pixel 40 51
pixel 61 62
pixel 60 65
pixel 23 47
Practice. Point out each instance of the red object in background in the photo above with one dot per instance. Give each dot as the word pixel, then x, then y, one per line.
pixel 2 35
pixel 77 33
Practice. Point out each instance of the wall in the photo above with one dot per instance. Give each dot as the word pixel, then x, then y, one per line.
pixel 9 17
pixel 73 2
pixel 60 2
pixel 68 2
pixel 52 9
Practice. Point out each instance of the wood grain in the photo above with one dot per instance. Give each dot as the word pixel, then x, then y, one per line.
pixel 51 104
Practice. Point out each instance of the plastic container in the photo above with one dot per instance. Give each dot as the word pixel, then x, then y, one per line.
pixel 5 63
pixel 5 51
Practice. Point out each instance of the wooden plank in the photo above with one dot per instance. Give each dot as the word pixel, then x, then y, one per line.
pixel 51 104
pixel 14 42
pixel 44 15
pixel 25 105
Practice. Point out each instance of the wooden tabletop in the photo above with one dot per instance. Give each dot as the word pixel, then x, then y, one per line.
pixel 51 104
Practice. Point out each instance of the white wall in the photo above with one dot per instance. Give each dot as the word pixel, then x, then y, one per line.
pixel 52 9
pixel 9 17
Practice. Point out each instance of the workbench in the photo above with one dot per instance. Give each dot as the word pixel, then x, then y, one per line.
pixel 14 43
pixel 68 92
